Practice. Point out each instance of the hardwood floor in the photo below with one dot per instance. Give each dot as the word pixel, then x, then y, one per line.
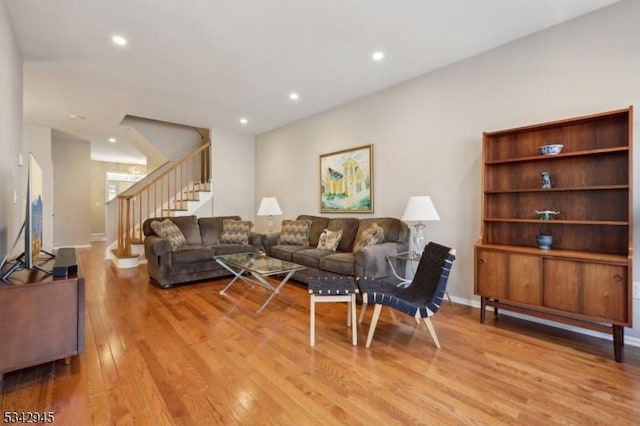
pixel 188 355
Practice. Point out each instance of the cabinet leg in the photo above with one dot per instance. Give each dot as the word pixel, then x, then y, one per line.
pixel 483 309
pixel 618 341
pixel 67 360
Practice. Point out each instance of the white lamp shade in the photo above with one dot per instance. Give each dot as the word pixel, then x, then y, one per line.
pixel 269 207
pixel 419 209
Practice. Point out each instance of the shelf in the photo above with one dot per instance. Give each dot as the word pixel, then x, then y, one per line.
pixel 560 222
pixel 568 254
pixel 567 189
pixel 560 156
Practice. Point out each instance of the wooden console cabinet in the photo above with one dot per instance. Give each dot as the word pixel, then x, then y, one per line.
pixel 41 319
pixel 585 278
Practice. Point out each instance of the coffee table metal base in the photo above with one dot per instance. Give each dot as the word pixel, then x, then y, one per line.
pixel 257 279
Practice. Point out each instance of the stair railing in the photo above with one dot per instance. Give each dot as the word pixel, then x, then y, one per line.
pixel 162 196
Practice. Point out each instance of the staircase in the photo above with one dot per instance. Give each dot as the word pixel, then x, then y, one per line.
pixel 170 193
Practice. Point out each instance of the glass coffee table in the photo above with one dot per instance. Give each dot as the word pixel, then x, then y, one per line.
pixel 260 267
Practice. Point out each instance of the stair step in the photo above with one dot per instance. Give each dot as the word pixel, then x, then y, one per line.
pixel 202 186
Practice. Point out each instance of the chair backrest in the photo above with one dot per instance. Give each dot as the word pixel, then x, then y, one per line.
pixel 430 280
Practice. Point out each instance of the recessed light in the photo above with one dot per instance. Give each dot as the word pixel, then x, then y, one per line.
pixel 76 117
pixel 119 40
pixel 113 140
pixel 294 96
pixel 243 120
pixel 377 56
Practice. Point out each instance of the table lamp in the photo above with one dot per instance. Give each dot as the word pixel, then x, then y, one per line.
pixel 420 209
pixel 269 207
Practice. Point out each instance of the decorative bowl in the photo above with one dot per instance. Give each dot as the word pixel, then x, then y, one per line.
pixel 551 149
pixel 547 214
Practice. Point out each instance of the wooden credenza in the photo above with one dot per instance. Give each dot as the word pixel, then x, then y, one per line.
pixel 41 319
pixel 585 278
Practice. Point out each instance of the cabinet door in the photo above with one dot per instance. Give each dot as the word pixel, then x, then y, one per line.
pixel 510 276
pixel 525 283
pixel 605 291
pixel 562 285
pixel 491 274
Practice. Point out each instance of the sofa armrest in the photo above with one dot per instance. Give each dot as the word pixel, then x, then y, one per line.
pixel 371 261
pixel 256 240
pixel 157 246
pixel 270 240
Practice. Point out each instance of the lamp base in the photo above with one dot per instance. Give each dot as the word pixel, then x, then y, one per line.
pixel 420 239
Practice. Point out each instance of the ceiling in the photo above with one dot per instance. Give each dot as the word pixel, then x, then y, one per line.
pixel 208 63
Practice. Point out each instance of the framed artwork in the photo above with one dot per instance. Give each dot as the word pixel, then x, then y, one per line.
pixel 346 181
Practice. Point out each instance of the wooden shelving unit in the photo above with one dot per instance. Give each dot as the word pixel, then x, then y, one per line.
pixel 585 278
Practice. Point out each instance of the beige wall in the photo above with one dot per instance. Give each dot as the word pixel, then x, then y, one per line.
pixel 12 202
pixel 99 171
pixel 233 175
pixel 427 132
pixel 71 190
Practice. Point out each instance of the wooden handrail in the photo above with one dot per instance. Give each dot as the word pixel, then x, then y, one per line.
pixel 161 196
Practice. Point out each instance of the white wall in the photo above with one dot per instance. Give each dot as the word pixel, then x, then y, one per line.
pixel 427 132
pixel 72 193
pixel 232 175
pixel 37 140
pixel 12 207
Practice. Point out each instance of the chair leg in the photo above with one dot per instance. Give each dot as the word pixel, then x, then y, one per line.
pixel 432 331
pixel 363 309
pixel 312 322
pixel 352 316
pixel 374 321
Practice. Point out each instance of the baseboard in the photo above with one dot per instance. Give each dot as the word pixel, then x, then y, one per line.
pixel 628 340
pixel 97 237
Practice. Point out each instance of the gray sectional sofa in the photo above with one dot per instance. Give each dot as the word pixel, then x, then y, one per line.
pixel 369 261
pixel 194 259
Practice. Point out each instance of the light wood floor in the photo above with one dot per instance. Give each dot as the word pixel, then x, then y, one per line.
pixel 188 355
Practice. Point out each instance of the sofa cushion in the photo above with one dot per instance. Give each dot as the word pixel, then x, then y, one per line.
pixel 295 232
pixel 285 252
pixel 168 230
pixel 309 257
pixel 374 234
pixel 235 231
pixel 220 249
pixel 394 229
pixel 190 228
pixel 349 227
pixel 211 228
pixel 339 263
pixel 329 240
pixel 318 225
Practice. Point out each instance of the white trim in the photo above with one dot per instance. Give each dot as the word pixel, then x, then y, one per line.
pixel 628 340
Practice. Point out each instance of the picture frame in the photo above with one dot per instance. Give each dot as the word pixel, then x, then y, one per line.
pixel 346 181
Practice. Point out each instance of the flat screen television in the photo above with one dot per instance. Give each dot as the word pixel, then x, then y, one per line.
pixel 32 228
pixel 33 217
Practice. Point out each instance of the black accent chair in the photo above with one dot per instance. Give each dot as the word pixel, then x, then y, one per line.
pixel 420 299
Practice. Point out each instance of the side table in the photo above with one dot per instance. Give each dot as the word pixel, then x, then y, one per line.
pixel 323 290
pixel 414 258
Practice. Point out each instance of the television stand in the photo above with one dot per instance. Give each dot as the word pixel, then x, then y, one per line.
pixel 42 319
pixel 21 264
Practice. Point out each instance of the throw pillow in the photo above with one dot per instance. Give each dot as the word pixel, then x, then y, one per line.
pixel 235 231
pixel 295 232
pixel 370 236
pixel 167 229
pixel 329 240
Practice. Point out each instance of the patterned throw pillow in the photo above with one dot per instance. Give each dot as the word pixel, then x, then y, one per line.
pixel 235 231
pixel 329 240
pixel 295 232
pixel 369 237
pixel 167 229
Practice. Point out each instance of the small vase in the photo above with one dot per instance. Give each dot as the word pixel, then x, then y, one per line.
pixel 544 241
